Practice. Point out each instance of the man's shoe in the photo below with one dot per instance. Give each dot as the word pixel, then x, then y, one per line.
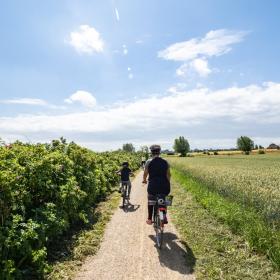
pixel 149 222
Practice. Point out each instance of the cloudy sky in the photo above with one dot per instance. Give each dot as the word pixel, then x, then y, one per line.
pixel 103 73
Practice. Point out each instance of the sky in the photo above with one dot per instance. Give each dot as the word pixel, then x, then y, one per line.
pixel 104 73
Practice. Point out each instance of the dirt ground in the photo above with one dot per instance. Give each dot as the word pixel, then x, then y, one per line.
pixel 128 249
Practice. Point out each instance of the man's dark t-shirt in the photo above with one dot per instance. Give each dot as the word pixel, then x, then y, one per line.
pixel 158 182
pixel 125 171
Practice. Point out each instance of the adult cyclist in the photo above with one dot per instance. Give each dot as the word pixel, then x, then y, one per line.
pixel 157 171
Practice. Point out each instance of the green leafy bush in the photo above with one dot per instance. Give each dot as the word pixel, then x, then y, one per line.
pixel 44 190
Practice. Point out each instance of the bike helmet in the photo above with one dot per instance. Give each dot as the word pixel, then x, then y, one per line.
pixel 125 163
pixel 155 149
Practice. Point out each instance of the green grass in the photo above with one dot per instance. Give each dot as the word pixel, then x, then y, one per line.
pixel 86 242
pixel 219 253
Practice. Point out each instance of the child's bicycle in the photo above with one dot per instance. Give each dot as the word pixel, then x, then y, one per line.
pixel 125 195
pixel 160 204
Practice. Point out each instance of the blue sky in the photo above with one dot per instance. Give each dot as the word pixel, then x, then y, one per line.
pixel 103 73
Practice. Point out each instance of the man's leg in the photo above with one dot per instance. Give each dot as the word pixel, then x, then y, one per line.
pixel 150 209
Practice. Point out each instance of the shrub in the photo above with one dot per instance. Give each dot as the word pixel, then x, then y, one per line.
pixel 45 190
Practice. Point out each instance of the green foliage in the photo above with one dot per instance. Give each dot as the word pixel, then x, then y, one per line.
pixel 181 145
pixel 245 144
pixel 128 147
pixel 44 190
pixel 261 152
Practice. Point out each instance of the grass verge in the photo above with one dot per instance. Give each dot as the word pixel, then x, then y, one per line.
pixel 86 242
pixel 220 253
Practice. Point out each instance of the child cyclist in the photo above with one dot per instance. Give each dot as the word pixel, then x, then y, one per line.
pixel 125 172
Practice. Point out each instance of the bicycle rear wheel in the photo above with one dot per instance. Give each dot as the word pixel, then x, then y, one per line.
pixel 124 196
pixel 159 231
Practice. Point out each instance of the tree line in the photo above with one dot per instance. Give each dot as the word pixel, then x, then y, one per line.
pixel 181 146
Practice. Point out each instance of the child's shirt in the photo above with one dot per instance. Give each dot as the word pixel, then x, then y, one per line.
pixel 125 172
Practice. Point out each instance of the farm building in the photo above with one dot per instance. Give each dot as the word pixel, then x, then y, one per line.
pixel 273 147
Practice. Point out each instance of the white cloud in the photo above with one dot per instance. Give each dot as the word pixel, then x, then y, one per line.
pixel 177 88
pixel 201 67
pixel 195 52
pixel 25 101
pixel 182 70
pixel 215 43
pixel 83 97
pixel 117 14
pixel 255 105
pixel 125 50
pixel 198 66
pixel 128 69
pixel 130 76
pixel 86 40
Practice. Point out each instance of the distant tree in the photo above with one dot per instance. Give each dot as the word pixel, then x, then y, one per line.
pixel 128 147
pixel 182 146
pixel 245 144
pixel 2 142
pixel 256 147
pixel 145 151
pixel 261 147
pixel 63 140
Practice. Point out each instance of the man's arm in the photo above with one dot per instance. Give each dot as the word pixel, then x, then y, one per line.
pixel 145 175
pixel 168 174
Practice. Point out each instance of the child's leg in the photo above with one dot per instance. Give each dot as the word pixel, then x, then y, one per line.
pixel 121 187
pixel 129 188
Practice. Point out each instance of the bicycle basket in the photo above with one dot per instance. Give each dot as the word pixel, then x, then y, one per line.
pixel 168 200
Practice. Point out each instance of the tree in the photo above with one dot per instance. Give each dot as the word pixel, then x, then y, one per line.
pixel 182 146
pixel 2 142
pixel 128 147
pixel 245 144
pixel 145 151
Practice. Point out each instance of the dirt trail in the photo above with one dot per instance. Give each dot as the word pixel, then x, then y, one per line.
pixel 128 250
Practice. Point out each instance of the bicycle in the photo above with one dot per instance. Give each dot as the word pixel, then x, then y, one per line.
pixel 125 195
pixel 159 215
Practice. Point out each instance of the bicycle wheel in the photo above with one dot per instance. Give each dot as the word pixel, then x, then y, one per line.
pixel 123 195
pixel 159 231
pixel 124 200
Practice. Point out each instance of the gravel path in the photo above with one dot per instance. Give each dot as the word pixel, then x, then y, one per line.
pixel 128 250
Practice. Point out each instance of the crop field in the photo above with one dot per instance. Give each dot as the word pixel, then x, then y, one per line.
pixel 242 192
pixel 253 181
